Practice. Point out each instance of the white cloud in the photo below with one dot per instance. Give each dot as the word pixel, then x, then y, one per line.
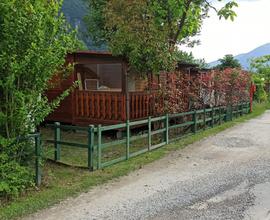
pixel 249 30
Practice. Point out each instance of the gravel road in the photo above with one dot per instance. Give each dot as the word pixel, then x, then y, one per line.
pixel 226 176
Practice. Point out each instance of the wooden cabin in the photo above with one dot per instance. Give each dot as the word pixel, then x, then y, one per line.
pixel 105 95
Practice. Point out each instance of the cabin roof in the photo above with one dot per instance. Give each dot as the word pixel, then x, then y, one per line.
pixel 92 52
pixel 184 64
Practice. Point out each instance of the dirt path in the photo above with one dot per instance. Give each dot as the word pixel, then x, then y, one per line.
pixel 226 176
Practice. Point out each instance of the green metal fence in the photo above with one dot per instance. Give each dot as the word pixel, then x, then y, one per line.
pixel 156 132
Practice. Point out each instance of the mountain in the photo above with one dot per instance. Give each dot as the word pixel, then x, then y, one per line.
pixel 75 12
pixel 246 57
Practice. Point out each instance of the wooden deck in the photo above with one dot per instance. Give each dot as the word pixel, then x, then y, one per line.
pixel 110 107
pixel 102 107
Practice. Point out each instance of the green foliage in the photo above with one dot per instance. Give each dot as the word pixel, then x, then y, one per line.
pixel 260 94
pixel 182 56
pixel 147 33
pixel 34 42
pixel 261 66
pixel 14 179
pixel 228 61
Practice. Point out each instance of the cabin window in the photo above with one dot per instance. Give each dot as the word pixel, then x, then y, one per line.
pixel 91 84
pixel 100 77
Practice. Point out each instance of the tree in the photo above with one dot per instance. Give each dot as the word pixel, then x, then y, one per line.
pixel 182 56
pixel 35 40
pixel 261 67
pixel 260 94
pixel 228 61
pixel 147 33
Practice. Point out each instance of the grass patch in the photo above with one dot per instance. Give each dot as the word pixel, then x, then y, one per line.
pixel 61 182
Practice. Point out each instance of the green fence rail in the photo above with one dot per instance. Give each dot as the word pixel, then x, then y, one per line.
pixel 158 132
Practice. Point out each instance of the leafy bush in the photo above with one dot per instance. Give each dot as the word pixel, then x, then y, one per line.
pixel 214 88
pixel 35 40
pixel 14 179
pixel 260 94
pixel 15 174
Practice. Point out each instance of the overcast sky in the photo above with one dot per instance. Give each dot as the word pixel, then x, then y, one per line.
pixel 250 29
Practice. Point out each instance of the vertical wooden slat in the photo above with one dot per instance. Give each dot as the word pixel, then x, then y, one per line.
pixel 115 106
pixel 104 105
pixel 87 103
pixel 123 108
pixel 82 103
pixel 133 105
pixel 93 105
pixel 77 103
pixel 98 106
pixel 109 104
pixel 141 105
pixel 90 104
pixel 147 104
pixel 137 106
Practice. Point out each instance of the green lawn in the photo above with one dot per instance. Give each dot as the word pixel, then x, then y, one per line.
pixel 61 181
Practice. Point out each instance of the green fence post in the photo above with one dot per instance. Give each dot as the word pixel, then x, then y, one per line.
pixel 204 118
pixel 195 121
pixel 127 140
pixel 219 114
pixel 167 129
pixel 242 109
pixel 212 117
pixel 90 149
pixel 226 116
pixel 57 139
pixel 38 160
pixel 149 133
pixel 228 113
pixel 231 113
pixel 99 131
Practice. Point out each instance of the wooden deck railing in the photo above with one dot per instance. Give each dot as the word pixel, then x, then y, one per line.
pixel 111 106
pixel 140 105
pixel 100 105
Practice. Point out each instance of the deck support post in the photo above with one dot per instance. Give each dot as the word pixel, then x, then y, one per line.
pixel 99 131
pixel 195 122
pixel 204 117
pixel 167 129
pixel 149 133
pixel 38 160
pixel 219 113
pixel 57 138
pixel 128 139
pixel 212 117
pixel 91 135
